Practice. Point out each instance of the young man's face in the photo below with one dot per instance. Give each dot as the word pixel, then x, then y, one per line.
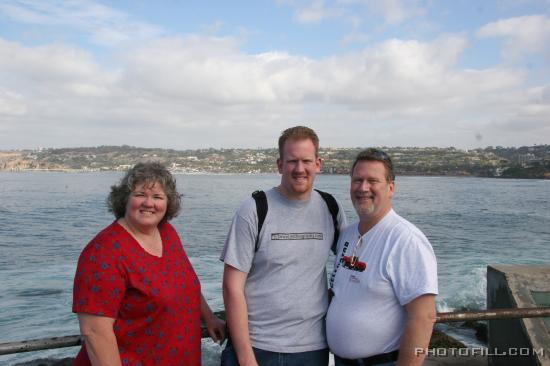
pixel 298 166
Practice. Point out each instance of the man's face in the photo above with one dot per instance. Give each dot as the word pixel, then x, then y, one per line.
pixel 370 192
pixel 298 166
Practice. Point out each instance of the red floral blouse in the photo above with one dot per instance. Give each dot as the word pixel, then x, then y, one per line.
pixel 155 300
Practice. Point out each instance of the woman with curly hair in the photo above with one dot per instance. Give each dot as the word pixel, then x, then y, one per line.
pixel 136 294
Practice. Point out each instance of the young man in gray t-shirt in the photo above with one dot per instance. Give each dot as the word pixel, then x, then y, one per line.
pixel 276 297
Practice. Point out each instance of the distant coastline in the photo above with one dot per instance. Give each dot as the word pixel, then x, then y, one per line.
pixel 530 162
pixel 85 171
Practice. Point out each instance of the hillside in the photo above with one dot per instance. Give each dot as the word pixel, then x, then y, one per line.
pixel 522 162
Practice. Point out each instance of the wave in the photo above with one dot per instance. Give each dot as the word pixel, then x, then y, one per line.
pixel 463 291
pixel 39 292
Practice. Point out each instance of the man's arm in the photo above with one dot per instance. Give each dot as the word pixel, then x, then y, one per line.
pixel 418 330
pixel 236 314
pixel 100 339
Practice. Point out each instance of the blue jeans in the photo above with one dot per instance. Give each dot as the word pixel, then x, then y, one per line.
pixel 337 362
pixel 268 358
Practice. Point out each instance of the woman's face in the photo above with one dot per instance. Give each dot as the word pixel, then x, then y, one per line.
pixel 146 205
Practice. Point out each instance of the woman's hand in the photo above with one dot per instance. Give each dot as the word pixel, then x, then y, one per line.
pixel 216 328
pixel 214 325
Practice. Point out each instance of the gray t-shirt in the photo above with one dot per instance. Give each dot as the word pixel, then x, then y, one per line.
pixel 286 288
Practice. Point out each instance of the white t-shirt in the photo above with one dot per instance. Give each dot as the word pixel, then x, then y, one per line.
pixel 367 314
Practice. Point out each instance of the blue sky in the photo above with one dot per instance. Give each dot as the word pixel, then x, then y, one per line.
pixel 193 74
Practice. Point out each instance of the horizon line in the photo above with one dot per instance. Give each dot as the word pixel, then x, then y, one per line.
pixel 40 148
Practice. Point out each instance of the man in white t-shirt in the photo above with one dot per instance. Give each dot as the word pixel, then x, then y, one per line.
pixel 385 276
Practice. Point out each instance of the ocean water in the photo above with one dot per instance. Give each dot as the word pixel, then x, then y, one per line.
pixel 46 219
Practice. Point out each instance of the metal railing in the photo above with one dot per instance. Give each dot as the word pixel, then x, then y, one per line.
pixel 493 314
pixel 40 344
pixel 76 340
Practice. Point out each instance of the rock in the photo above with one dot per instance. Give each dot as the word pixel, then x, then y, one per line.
pixel 479 327
pixel 442 340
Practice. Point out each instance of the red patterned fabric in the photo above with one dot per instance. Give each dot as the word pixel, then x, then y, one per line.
pixel 155 301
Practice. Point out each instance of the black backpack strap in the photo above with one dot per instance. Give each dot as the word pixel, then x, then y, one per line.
pixel 334 209
pixel 261 210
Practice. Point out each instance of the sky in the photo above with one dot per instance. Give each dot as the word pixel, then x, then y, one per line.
pixel 186 74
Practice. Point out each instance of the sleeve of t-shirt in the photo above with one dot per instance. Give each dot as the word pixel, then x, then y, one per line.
pixel 99 282
pixel 239 248
pixel 412 267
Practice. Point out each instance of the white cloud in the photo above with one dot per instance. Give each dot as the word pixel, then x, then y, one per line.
pixel 316 12
pixel 49 70
pixel 53 90
pixel 204 91
pixel 395 11
pixel 356 37
pixel 10 104
pixel 214 69
pixel 358 15
pixel 104 25
pixel 524 36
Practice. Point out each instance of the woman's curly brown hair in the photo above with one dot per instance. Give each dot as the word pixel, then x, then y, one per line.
pixel 147 173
